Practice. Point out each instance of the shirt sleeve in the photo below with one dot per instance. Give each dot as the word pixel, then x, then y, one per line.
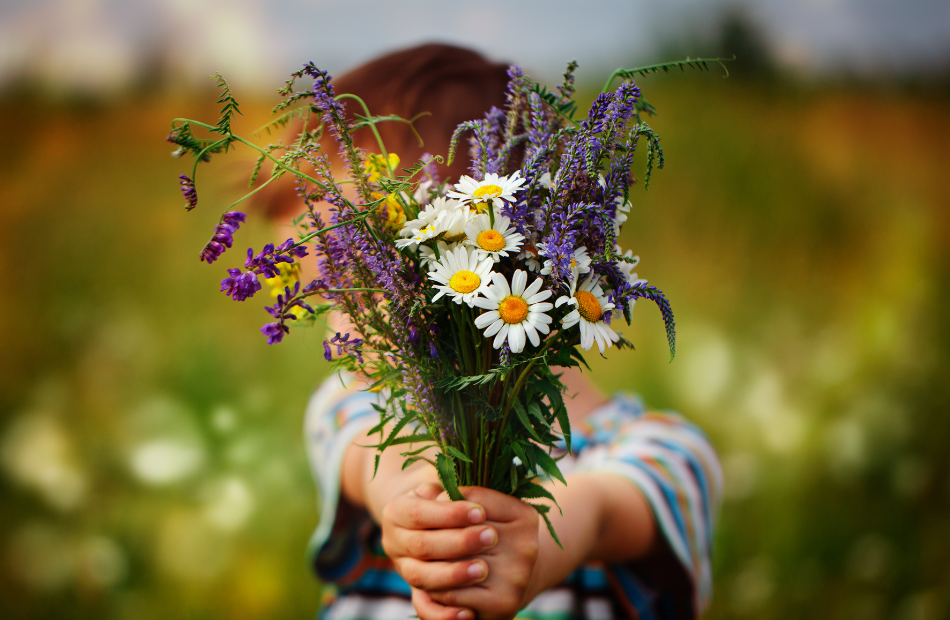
pixel 337 413
pixel 675 467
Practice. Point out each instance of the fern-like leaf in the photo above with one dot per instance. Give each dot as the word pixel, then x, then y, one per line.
pixel 700 64
pixel 230 107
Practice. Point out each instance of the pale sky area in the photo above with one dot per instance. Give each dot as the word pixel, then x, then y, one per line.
pixel 101 45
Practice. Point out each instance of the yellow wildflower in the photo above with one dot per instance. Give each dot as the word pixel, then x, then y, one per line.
pixel 288 276
pixel 375 166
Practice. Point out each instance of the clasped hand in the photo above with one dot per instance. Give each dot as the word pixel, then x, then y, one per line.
pixel 463 558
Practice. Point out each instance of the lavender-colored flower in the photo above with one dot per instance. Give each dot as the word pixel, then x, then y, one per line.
pixel 239 286
pixel 343 345
pixel 504 355
pixel 274 332
pixel 188 190
pixel 265 263
pixel 433 352
pixel 223 236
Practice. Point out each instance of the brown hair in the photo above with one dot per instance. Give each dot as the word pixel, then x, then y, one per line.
pixel 451 83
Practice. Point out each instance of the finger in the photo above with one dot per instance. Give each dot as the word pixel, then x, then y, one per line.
pixel 428 609
pixel 445 544
pixel 478 597
pixel 414 513
pixel 499 506
pixel 442 575
pixel 428 490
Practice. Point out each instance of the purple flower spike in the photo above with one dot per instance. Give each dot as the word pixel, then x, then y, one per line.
pixel 239 286
pixel 223 236
pixel 327 355
pixel 188 189
pixel 432 350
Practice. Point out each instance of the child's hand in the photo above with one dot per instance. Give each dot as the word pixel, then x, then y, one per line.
pixel 420 534
pixel 511 581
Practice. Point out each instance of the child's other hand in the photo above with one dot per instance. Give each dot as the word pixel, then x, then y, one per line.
pixel 421 536
pixel 511 581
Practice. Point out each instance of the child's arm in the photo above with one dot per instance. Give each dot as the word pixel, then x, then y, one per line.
pixel 605 518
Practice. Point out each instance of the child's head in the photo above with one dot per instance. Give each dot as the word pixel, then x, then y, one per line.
pixel 452 84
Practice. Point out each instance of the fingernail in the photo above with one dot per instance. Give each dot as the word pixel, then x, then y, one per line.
pixel 476 515
pixel 465 615
pixel 487 537
pixel 475 570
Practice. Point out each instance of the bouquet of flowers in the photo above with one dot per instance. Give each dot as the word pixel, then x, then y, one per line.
pixel 462 298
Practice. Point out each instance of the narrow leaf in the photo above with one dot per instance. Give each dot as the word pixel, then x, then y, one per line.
pixel 523 416
pixel 445 466
pixel 458 454
pixel 548 464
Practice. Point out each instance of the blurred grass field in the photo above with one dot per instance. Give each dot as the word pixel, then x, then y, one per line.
pixel 150 441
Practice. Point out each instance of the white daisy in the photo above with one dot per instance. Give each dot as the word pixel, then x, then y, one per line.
pixel 590 306
pixel 442 217
pixel 427 254
pixel 530 257
pixel 495 241
pixel 627 269
pixel 461 275
pixel 493 189
pixel 580 263
pixel 514 313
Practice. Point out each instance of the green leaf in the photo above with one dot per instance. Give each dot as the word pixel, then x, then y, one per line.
pixel 519 451
pixel 543 511
pixel 458 454
pixel 445 466
pixel 534 408
pixel 390 376
pixel 523 416
pixel 414 438
pixel 392 435
pixel 412 459
pixel 580 358
pixel 532 490
pixel 547 463
pixel 415 452
pixel 564 421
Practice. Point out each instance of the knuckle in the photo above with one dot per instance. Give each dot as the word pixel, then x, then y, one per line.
pixel 413 513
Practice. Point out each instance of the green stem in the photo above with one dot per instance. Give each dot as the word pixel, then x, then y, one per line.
pixel 372 126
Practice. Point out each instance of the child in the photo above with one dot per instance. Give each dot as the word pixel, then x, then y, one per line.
pixel 643 487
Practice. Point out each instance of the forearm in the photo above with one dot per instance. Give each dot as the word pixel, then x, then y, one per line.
pixel 605 517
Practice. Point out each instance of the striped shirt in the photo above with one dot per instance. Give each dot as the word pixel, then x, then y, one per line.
pixel 666 457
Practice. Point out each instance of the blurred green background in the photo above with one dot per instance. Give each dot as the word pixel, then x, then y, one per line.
pixel 151 458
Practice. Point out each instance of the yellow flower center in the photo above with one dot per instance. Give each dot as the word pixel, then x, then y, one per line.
pixel 464 282
pixel 490 240
pixel 487 192
pixel 573 263
pixel 588 306
pixel 513 309
pixel 424 233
